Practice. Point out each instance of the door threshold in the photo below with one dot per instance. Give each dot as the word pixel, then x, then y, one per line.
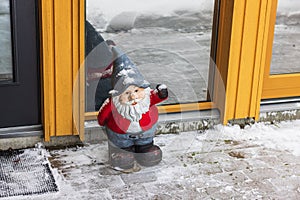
pixel 22 131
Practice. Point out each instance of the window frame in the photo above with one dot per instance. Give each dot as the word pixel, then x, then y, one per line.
pixel 277 85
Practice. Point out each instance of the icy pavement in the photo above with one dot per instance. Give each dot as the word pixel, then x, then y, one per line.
pixel 258 162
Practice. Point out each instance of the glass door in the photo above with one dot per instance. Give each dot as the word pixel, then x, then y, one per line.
pixel 286 45
pixel 170 43
pixel 6 68
pixel 282 74
pixel 19 73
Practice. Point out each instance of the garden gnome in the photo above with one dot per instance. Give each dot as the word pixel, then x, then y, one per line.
pixel 130 115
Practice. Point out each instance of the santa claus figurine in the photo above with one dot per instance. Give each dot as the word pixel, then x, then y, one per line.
pixel 130 115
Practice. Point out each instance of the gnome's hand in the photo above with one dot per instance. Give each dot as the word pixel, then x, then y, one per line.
pixel 162 91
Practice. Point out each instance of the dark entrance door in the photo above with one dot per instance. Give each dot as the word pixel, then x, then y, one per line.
pixel 19 73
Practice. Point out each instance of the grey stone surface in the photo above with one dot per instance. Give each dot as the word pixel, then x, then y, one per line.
pixel 234 169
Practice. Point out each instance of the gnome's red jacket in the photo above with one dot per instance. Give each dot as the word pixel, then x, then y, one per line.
pixel 109 116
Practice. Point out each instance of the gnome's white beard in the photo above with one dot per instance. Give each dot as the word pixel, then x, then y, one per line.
pixel 133 112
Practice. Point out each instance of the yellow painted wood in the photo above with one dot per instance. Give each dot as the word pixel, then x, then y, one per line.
pixel 63 67
pixel 282 85
pixel 235 47
pixel 78 60
pixel 75 63
pixel 222 59
pixel 261 56
pixel 245 61
pixel 81 11
pixel 185 107
pixel 62 35
pixel 283 81
pixel 281 93
pixel 271 28
pixel 47 55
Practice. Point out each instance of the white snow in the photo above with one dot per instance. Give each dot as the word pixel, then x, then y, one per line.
pixel 110 9
pixel 81 167
pixel 164 7
pixel 283 136
pixel 131 8
pixel 289 6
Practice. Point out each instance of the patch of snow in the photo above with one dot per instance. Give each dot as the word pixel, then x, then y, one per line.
pixel 111 8
pixel 283 136
pixel 122 22
pixel 289 6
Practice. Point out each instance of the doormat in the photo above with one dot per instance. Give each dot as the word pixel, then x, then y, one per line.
pixel 25 172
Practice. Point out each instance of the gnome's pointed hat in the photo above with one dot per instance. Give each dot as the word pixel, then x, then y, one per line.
pixel 125 73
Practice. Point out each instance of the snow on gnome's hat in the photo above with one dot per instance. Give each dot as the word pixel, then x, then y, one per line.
pixel 125 73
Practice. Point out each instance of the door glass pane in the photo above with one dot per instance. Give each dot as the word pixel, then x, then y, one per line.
pixel 6 69
pixel 286 45
pixel 168 41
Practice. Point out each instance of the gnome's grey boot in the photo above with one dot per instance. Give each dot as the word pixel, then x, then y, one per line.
pixel 148 155
pixel 121 158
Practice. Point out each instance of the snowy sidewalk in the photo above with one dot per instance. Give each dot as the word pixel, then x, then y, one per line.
pixel 258 162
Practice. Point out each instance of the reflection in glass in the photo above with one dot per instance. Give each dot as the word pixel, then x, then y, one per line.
pixel 286 45
pixel 6 70
pixel 168 41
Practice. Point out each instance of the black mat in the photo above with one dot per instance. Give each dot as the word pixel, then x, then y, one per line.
pixel 25 172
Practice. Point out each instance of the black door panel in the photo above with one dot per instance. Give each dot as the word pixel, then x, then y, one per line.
pixel 20 97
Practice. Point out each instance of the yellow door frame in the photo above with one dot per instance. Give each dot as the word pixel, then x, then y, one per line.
pixel 241 79
pixel 241 58
pixel 244 61
pixel 62 52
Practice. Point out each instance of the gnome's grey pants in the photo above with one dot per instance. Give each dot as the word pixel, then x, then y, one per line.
pixel 129 139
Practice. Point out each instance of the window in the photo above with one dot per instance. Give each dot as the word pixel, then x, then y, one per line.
pixel 282 77
pixel 170 42
pixel 286 45
pixel 6 67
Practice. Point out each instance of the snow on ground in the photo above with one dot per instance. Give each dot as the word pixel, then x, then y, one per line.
pixel 284 136
pixel 260 161
pixel 102 12
pixel 288 6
